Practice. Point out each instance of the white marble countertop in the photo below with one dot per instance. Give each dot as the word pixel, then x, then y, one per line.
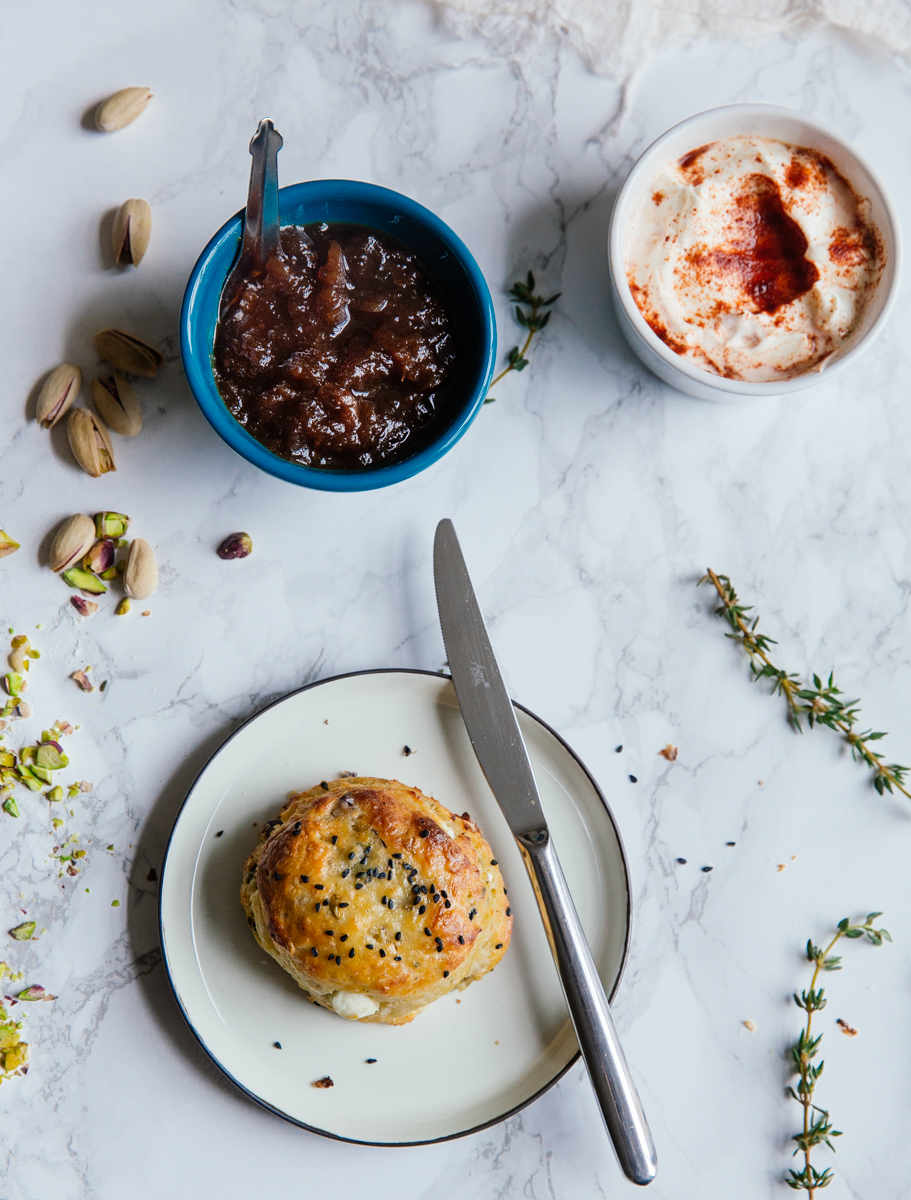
pixel 589 499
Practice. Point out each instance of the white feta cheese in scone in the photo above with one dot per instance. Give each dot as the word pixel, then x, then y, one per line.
pixel 354 1005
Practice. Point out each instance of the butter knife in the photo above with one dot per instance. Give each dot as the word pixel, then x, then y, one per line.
pixel 494 732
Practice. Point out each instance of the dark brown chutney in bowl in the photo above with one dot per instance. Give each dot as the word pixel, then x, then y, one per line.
pixel 359 356
pixel 342 353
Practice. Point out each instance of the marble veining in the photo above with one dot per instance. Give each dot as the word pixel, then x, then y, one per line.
pixel 588 499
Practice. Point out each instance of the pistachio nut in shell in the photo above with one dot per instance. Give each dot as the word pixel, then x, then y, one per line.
pixel 121 109
pixel 128 353
pixel 117 403
pixel 7 545
pixel 72 541
pixel 90 442
pixel 140 579
pixel 57 393
pixel 131 231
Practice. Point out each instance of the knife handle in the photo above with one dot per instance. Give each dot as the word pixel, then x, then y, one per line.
pixel 590 1012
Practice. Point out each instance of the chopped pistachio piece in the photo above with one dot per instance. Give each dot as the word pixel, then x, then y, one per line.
pixel 75 577
pixel 23 932
pixel 10 806
pixel 13 684
pixel 35 992
pixel 236 545
pixel 50 756
pixel 55 794
pixel 83 681
pixel 7 545
pixel 123 607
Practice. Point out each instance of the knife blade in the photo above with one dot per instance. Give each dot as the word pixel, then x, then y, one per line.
pixel 494 732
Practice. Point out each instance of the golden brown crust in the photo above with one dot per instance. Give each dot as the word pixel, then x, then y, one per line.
pixel 376 897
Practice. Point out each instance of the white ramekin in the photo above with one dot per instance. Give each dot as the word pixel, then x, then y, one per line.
pixel 762 120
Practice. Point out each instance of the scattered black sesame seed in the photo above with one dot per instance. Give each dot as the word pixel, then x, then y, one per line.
pixel 346 872
pixel 220 832
pixel 335 839
pixel 318 905
pixel 305 878
pixel 382 954
pixel 494 862
pixel 505 893
pixel 422 909
pixel 447 903
pixel 392 904
pixel 682 861
pixel 329 932
pixel 277 875
pixel 427 931
pixel 343 938
pixel 358 886
pixel 424 832
pixel 406 750
pixel 351 954
pixel 369 945
pixel 461 939
pixel 443 894
pixel 277 1045
pixel 730 843
pixel 398 958
pixel 617 749
pixel 370 1060
pixel 351 855
pixel 314 951
pixel 471 915
pixel 509 912
pixel 633 779
pixel 297 828
pixel 385 900
pixel 707 869
pixel 388 862
pixel 445 974
pixel 319 887
pixel 398 936
pixel 324 786
pixel 338 961
pixel 388 874
pixel 498 946
pixel 424 890
pixel 398 856
pixel 343 904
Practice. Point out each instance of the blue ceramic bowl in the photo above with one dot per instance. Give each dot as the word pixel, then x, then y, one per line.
pixel 446 258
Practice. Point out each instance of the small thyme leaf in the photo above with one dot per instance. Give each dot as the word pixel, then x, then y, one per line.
pixel 533 317
pixel 817 1128
pixel 820 705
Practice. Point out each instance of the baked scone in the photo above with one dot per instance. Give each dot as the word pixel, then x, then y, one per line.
pixel 376 898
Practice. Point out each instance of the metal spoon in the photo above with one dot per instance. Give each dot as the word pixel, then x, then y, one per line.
pixel 261 234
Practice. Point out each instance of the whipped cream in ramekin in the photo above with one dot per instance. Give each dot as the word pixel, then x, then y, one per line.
pixel 753 258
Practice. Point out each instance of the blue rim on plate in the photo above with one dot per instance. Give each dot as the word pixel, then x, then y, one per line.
pixel 450 264
pixel 262 1101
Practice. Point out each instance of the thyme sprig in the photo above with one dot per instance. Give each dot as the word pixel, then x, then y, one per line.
pixel 817 1127
pixel 821 704
pixel 532 315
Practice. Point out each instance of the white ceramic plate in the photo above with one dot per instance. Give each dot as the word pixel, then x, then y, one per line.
pixel 468 1060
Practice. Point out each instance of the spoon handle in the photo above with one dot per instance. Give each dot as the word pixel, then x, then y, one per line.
pixel 261 236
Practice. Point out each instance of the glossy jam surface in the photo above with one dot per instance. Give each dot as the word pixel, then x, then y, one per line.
pixel 342 354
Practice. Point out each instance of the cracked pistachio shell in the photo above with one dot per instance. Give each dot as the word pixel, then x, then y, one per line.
pixel 131 231
pixel 117 403
pixel 72 541
pixel 128 353
pixel 58 392
pixel 121 109
pixel 140 578
pixel 90 442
